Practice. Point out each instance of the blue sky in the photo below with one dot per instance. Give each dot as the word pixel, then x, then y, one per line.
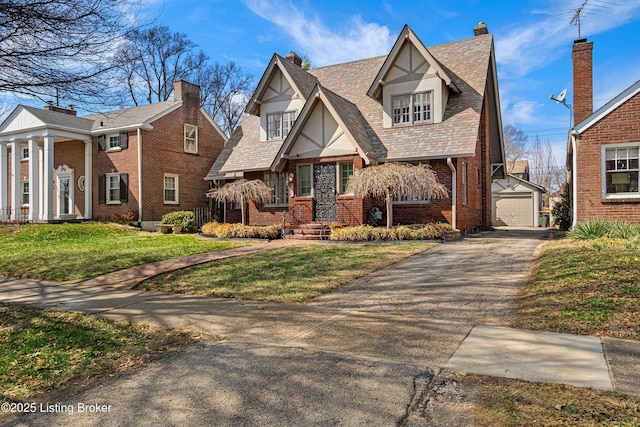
pixel 533 41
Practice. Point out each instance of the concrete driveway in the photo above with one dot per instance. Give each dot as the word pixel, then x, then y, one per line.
pixel 366 354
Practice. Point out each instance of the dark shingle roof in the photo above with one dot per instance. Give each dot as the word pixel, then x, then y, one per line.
pixel 55 118
pixel 466 61
pixel 131 116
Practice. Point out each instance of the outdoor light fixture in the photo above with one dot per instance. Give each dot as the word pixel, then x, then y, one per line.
pixel 291 176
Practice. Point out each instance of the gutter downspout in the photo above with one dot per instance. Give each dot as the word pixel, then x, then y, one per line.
pixel 574 181
pixel 139 176
pixel 454 192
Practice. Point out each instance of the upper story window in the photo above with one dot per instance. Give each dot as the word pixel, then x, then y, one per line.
pixel 412 108
pixel 114 142
pixel 621 169
pixel 24 153
pixel 279 124
pixel 191 139
pixel 278 183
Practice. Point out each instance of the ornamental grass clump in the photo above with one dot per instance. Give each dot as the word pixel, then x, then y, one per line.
pixel 239 231
pixel 366 233
pixel 600 228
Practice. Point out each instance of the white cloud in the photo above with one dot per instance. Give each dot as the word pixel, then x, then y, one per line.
pixel 527 48
pixel 323 45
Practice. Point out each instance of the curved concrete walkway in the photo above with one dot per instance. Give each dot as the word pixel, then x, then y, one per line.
pixel 372 353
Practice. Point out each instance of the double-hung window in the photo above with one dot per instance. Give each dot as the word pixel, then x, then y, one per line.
pixel 113 142
pixel 621 168
pixel 412 108
pixel 278 183
pixel 304 180
pixel 24 153
pixel 24 185
pixel 346 178
pixel 170 189
pixel 113 188
pixel 279 124
pixel 191 139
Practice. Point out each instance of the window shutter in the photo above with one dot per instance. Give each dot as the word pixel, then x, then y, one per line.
pixel 101 142
pixel 102 189
pixel 124 187
pixel 124 140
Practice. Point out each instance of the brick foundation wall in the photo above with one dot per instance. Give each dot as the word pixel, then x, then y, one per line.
pixel 620 126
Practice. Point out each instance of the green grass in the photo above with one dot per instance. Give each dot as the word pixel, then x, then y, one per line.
pixel 589 287
pixel 75 251
pixel 43 349
pixel 293 274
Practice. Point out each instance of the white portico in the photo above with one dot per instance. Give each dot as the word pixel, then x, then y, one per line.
pixel 45 165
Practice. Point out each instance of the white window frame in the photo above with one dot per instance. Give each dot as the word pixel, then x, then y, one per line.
pixel 465 186
pixel 27 193
pixel 112 142
pixel 190 140
pixel 284 124
pixel 310 193
pixel 340 179
pixel 407 104
pixel 108 181
pixel 406 201
pixel 278 182
pixel 24 153
pixel 175 189
pixel 636 170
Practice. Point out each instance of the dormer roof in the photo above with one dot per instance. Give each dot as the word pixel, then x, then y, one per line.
pixel 407 36
pixel 301 81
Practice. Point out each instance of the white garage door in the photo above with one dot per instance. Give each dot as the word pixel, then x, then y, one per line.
pixel 515 210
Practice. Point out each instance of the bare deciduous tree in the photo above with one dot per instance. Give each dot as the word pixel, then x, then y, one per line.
pixel 391 180
pixel 242 191
pixel 154 58
pixel 515 145
pixel 224 89
pixel 544 170
pixel 60 46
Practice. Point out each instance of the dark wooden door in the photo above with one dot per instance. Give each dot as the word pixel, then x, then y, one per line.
pixel 324 185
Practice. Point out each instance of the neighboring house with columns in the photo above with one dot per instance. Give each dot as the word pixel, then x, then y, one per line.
pixel 136 163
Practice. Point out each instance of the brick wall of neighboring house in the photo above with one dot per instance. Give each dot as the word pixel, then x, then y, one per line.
pixel 70 153
pixel 123 161
pixel 163 153
pixel 620 126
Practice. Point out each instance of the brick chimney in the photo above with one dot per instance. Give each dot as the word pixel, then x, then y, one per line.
pixel 582 80
pixel 68 110
pixel 294 58
pixel 481 28
pixel 186 92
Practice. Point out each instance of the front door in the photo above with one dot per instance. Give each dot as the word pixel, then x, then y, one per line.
pixel 324 192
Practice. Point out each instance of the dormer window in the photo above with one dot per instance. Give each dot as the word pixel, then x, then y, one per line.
pixel 412 108
pixel 279 124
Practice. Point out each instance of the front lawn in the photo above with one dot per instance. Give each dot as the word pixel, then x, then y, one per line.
pixel 587 287
pixel 43 349
pixel 75 251
pixel 293 274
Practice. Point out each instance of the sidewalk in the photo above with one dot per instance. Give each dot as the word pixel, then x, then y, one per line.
pixel 131 277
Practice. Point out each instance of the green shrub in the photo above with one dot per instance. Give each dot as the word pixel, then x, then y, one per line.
pixel 184 218
pixel 562 210
pixel 364 233
pixel 600 228
pixel 239 231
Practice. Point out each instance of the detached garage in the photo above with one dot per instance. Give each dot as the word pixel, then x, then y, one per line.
pixel 516 202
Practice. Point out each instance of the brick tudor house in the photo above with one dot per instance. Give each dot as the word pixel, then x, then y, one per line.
pixel 604 147
pixel 307 133
pixel 142 161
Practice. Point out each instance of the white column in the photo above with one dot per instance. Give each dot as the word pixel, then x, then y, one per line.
pixel 34 181
pixel 16 191
pixel 40 180
pixel 4 182
pixel 88 173
pixel 47 172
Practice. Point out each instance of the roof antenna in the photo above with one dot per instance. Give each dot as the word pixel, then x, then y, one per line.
pixel 594 7
pixel 576 18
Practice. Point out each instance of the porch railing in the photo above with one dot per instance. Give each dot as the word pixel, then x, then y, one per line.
pixel 14 216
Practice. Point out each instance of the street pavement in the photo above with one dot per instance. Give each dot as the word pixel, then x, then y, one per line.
pixel 369 353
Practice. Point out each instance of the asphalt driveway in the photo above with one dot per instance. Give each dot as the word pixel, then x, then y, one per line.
pixel 366 354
